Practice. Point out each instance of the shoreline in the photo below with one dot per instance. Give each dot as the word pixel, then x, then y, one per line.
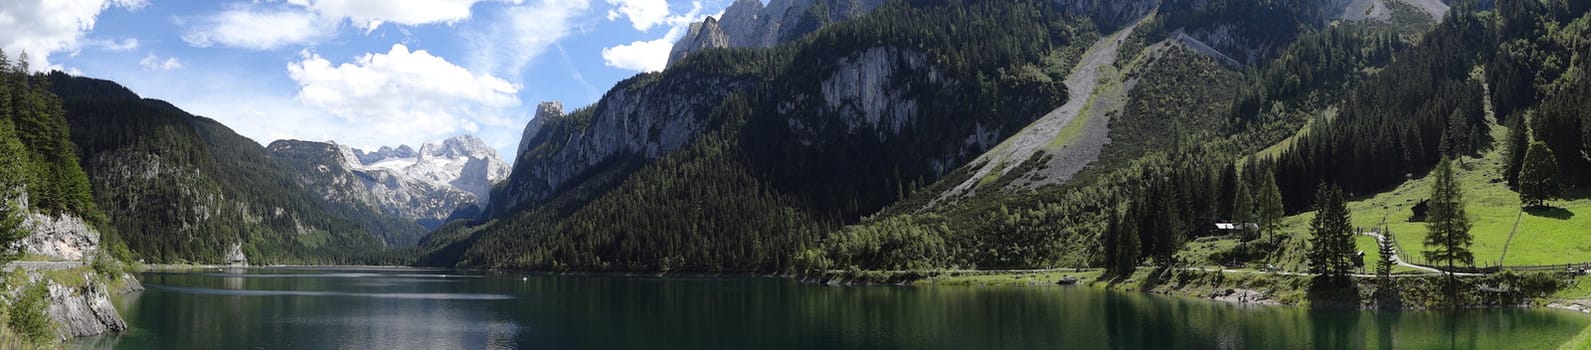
pixel 1235 287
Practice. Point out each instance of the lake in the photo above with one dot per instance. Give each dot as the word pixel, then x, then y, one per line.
pixel 381 308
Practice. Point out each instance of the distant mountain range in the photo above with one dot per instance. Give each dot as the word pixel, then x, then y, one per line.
pixel 425 186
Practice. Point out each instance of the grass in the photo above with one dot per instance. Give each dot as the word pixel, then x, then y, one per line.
pixel 1579 289
pixel 1558 236
pixel 1579 342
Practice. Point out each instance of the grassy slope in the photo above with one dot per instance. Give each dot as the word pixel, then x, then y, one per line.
pixel 1580 342
pixel 1556 236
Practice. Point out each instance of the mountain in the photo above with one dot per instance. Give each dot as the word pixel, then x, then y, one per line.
pixel 184 188
pixel 749 23
pixel 424 186
pixel 46 207
pixel 731 159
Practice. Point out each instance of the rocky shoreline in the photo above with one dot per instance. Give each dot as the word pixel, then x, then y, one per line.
pixel 87 311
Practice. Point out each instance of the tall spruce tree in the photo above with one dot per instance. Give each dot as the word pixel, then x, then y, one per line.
pixel 1270 206
pixel 1243 212
pixel 1386 287
pixel 1331 243
pixel 1448 239
pixel 1538 176
pixel 12 164
pixel 1518 144
pixel 1128 244
pixel 1388 250
pixel 1120 245
pixel 1456 140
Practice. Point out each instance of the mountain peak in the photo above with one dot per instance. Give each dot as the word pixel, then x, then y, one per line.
pixel 544 111
pixel 462 146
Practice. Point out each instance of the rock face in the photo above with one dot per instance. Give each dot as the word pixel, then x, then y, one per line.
pixel 234 256
pixel 749 23
pixel 83 311
pixel 425 186
pixel 640 118
pixel 545 111
pixel 61 237
pixel 863 89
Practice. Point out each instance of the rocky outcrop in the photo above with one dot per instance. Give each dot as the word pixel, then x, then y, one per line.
pixel 545 111
pixel 423 186
pixel 863 91
pixel 645 117
pixel 62 237
pixel 403 151
pixel 83 311
pixel 235 256
pixel 59 237
pixel 749 23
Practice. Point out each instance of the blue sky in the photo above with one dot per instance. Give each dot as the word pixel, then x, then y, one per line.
pixel 361 72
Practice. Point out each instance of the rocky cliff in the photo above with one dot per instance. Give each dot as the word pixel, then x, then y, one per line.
pixel 86 310
pixel 423 186
pixel 645 117
pixel 59 237
pixel 749 23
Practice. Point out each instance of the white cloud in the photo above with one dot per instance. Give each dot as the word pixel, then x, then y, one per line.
pixel 369 14
pixel 45 27
pixel 643 56
pixel 643 14
pixel 403 94
pixel 260 29
pixel 113 45
pixel 652 55
pixel 263 25
pixel 155 63
pixel 527 31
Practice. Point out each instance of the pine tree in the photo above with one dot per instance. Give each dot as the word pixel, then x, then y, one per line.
pixel 1243 212
pixel 1448 239
pixel 1389 252
pixel 1456 140
pixel 1331 242
pixel 1270 210
pixel 1110 242
pixel 1228 192
pixel 11 188
pixel 1538 176
pixel 1128 250
pixel 1518 143
pixel 1120 245
pixel 1386 287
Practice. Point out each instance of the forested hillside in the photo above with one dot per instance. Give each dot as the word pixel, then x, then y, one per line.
pixel 1352 105
pixel 183 188
pixel 38 159
pixel 817 133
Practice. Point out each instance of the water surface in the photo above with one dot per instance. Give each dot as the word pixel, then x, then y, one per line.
pixel 276 308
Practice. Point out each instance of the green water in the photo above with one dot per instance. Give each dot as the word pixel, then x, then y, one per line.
pixel 434 309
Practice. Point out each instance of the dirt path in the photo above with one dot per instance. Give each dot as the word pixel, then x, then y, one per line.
pixel 42 265
pixel 1081 86
pixel 1399 259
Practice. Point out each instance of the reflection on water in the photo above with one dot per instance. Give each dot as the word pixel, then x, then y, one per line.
pixel 408 309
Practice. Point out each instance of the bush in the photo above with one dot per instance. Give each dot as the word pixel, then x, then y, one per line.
pixel 894 244
pixel 27 315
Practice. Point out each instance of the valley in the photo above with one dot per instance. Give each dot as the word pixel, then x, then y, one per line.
pixel 1238 151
